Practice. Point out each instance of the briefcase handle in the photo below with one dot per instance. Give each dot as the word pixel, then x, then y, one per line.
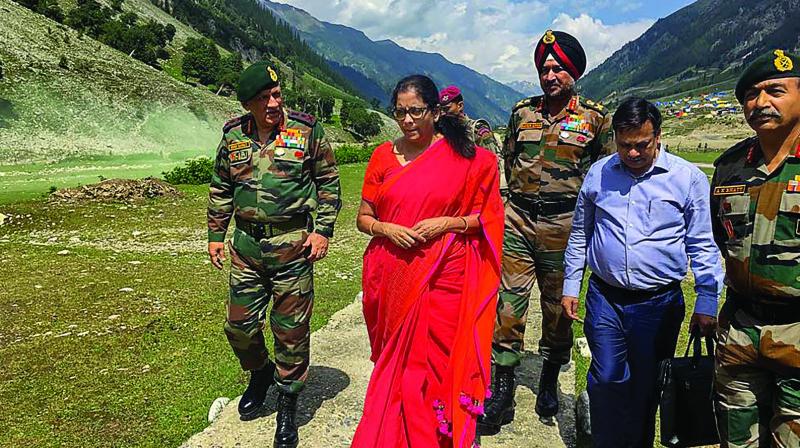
pixel 696 345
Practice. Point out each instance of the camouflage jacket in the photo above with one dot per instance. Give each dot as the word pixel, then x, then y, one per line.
pixel 546 158
pixel 756 222
pixel 295 173
pixel 482 135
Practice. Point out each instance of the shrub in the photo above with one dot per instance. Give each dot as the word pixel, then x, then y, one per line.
pixel 353 154
pixel 196 171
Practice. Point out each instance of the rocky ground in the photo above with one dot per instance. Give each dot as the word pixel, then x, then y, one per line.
pixel 331 404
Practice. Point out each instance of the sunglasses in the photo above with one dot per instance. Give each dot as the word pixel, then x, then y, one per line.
pixel 415 112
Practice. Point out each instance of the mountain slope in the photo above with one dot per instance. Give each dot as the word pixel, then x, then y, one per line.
pixel 67 95
pixel 704 44
pixel 374 67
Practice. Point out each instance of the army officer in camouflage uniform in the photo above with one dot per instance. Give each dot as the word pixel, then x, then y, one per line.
pixel 273 169
pixel 755 205
pixel 452 102
pixel 550 144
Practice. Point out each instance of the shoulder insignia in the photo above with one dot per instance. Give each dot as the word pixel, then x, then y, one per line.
pixel 738 148
pixel 232 123
pixel 596 106
pixel 306 119
pixel 527 102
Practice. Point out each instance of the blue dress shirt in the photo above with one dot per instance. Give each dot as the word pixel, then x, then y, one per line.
pixel 639 232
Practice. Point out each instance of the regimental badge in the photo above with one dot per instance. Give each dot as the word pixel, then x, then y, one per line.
pixel 239 156
pixel 782 62
pixel 291 139
pixel 727 190
pixel 526 126
pixel 272 75
pixel 241 144
pixel 446 98
pixel 549 37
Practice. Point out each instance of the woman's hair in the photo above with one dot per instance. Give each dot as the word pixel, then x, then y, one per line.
pixel 453 128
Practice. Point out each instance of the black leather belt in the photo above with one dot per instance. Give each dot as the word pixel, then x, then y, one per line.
pixel 769 310
pixel 261 230
pixel 634 295
pixel 540 208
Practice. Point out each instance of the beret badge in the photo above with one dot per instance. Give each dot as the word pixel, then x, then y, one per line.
pixel 782 62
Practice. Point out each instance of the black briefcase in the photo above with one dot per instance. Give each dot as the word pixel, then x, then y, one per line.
pixel 686 387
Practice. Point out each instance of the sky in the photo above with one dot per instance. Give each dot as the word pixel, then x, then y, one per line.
pixel 495 37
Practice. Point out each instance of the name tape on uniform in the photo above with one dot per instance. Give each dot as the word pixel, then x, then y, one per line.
pixel 241 144
pixel 729 189
pixel 526 126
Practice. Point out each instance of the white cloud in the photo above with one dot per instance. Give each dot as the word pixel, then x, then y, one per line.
pixel 494 37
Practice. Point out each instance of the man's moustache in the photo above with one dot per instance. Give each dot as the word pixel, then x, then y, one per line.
pixel 764 113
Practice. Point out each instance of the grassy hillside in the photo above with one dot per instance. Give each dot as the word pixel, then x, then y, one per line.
pixel 66 95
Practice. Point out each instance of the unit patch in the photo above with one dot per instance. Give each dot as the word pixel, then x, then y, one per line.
pixel 241 144
pixel 239 156
pixel 726 190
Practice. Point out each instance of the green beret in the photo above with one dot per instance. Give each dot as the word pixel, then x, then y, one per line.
pixel 256 78
pixel 772 65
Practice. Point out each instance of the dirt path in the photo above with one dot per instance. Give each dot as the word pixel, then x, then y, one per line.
pixel 331 404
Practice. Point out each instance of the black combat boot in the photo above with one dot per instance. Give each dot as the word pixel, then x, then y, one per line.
pixel 547 398
pixel 286 429
pixel 253 397
pixel 499 408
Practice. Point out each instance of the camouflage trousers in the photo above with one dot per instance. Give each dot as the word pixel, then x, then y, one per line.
pixel 533 250
pixel 274 268
pixel 757 383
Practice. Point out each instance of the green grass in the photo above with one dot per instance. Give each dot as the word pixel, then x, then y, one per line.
pixel 87 365
pixel 699 156
pixel 34 180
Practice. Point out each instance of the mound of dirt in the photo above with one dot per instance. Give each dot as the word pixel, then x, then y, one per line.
pixel 124 190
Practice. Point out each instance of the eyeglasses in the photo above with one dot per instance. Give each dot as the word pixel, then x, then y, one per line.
pixel 415 112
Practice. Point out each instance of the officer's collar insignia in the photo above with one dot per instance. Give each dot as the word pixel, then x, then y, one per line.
pixel 573 103
pixel 727 190
pixel 549 37
pixel 241 144
pixel 272 75
pixel 291 138
pixel 782 62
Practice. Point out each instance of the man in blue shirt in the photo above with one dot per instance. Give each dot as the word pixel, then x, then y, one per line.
pixel 642 213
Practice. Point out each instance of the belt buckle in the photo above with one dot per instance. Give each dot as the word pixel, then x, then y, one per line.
pixel 259 230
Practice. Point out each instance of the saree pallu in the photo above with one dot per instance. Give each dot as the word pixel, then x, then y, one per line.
pixel 430 310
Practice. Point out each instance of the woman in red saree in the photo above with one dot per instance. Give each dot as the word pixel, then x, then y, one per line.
pixel 431 202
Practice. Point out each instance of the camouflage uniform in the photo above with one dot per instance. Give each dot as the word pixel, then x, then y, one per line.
pixel 757 227
pixel 546 159
pixel 482 135
pixel 271 191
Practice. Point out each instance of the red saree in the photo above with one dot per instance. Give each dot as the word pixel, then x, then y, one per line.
pixel 430 310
